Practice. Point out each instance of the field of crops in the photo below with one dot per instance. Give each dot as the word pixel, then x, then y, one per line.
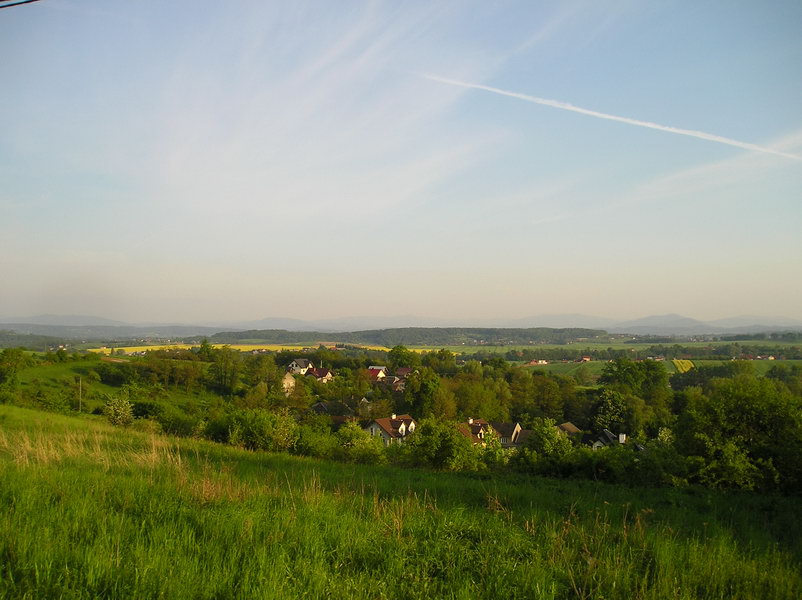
pixel 681 365
pixel 581 345
pixel 240 347
pixel 592 369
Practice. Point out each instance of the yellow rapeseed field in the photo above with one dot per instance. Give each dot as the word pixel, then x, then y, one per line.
pixel 682 365
pixel 240 347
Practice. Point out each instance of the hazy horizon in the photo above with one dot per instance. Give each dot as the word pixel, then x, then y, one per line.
pixel 391 321
pixel 177 162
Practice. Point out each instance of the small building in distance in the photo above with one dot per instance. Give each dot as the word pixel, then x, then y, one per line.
pixel 392 429
pixel 300 366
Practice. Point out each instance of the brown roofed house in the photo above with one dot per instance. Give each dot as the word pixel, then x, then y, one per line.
pixel 322 375
pixel 507 432
pixel 475 430
pixel 392 429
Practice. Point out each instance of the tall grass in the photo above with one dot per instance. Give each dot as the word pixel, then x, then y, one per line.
pixel 90 511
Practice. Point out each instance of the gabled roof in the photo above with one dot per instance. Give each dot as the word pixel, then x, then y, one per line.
pixel 404 372
pixel 302 362
pixel 376 373
pixel 569 428
pixel 607 437
pixel 339 421
pixel 392 425
pixel 319 373
pixel 506 430
pixel 474 429
pixel 320 408
pixel 523 436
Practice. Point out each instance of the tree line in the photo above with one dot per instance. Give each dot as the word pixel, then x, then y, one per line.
pixel 720 426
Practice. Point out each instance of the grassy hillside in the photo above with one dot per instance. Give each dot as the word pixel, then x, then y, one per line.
pixel 91 511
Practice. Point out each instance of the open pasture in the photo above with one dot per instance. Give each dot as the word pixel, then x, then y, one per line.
pixel 615 345
pixel 87 510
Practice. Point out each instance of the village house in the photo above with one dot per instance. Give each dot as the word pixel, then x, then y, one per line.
pixel 607 438
pixel 392 429
pixel 300 366
pixel 396 384
pixel 376 374
pixel 507 432
pixel 475 430
pixel 568 428
pixel 320 374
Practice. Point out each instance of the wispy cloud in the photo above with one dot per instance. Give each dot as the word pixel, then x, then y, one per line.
pixel 600 115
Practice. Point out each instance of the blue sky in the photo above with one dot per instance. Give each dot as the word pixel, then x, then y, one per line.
pixel 191 161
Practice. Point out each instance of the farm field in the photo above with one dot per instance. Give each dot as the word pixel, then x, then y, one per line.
pixel 245 347
pixel 242 347
pixel 760 366
pixel 594 368
pixel 682 365
pixel 87 510
pixel 616 345
pixel 248 345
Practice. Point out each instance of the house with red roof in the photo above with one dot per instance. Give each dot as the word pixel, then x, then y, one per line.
pixel 376 374
pixel 322 375
pixel 475 430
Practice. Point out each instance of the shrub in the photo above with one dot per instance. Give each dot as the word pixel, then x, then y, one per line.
pixel 118 411
pixel 358 446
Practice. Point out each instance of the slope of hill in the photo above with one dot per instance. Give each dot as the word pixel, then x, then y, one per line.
pixel 87 510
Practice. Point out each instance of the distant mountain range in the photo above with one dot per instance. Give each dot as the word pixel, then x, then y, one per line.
pixel 99 328
pixel 671 324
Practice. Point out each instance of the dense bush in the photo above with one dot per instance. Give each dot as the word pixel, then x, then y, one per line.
pixel 118 410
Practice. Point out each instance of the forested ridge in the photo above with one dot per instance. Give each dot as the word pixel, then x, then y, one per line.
pixel 414 336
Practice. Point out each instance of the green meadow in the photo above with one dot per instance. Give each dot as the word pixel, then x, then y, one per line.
pixel 591 345
pixel 595 367
pixel 87 511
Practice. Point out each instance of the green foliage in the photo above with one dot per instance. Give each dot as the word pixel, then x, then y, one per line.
pixel 443 362
pixel 354 445
pixel 315 441
pixel 611 410
pixel 420 391
pixel 118 410
pixel 416 336
pixel 206 351
pixel 189 519
pixel 492 455
pixel 400 356
pixel 226 370
pixel 262 430
pixel 545 449
pixel 439 445
pixel 747 433
pixel 12 361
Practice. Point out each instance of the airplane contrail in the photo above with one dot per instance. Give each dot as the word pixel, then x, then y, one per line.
pixel 600 115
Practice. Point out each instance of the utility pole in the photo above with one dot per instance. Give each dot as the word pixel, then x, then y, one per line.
pixel 80 393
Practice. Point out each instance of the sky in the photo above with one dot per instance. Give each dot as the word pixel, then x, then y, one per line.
pixel 200 161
